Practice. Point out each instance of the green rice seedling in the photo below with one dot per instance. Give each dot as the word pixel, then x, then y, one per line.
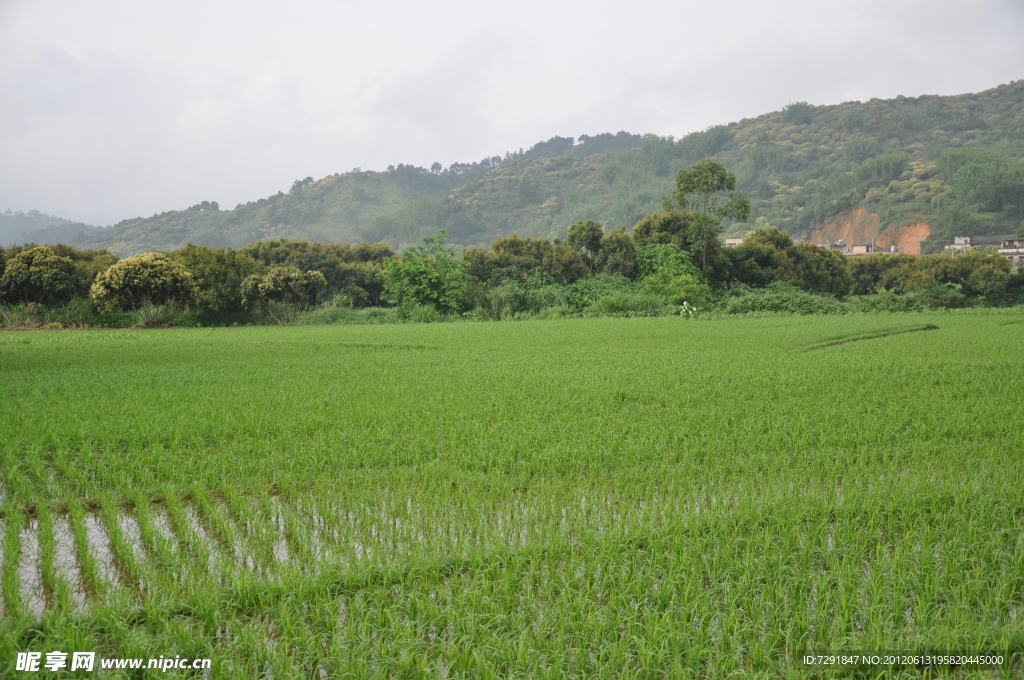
pixel 33 598
pixel 68 469
pixel 67 567
pixel 200 558
pixel 99 547
pixel 299 532
pixel 3 562
pixel 127 557
pixel 214 519
pixel 588 498
pixel 161 548
pixel 264 544
pixel 9 579
pixel 57 593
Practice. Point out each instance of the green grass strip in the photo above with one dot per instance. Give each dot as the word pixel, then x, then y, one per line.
pixel 870 336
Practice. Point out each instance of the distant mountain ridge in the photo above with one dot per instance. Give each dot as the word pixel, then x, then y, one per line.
pixel 36 227
pixel 927 167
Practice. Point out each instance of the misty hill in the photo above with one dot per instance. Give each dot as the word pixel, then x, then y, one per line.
pixel 37 227
pixel 897 171
pixel 338 208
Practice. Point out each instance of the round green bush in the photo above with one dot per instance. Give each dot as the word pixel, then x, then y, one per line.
pixel 140 281
pixel 39 275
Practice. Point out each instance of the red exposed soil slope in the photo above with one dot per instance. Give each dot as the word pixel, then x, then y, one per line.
pixel 856 226
pixel 907 237
pixel 860 226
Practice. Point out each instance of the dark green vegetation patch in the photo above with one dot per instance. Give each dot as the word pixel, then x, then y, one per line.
pixel 871 336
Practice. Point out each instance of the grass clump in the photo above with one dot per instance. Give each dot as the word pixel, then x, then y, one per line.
pixel 781 298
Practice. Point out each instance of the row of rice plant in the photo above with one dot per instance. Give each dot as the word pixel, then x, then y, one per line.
pixel 605 578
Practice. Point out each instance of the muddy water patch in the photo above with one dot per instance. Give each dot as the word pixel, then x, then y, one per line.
pixel 214 556
pixel 281 553
pixel 65 561
pixel 870 336
pixel 99 547
pixel 162 525
pixel 29 575
pixel 132 535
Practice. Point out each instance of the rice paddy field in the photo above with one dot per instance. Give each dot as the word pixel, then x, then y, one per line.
pixel 588 498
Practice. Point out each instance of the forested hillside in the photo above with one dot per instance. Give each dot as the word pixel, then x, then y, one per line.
pixel 898 170
pixel 21 227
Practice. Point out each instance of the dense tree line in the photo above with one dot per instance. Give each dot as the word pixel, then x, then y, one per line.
pixel 672 259
pixel 214 283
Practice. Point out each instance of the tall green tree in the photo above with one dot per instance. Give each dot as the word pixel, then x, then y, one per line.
pixel 585 238
pixel 666 226
pixel 769 255
pixel 517 259
pixel 218 275
pixel 354 270
pixel 708 189
pixel 617 253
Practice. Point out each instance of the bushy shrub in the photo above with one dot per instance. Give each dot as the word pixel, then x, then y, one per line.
pixel 427 275
pixel 785 298
pixel 218 275
pixel 678 288
pixel 39 275
pixel 769 254
pixel 517 297
pixel 512 258
pixel 881 271
pixel 421 314
pixel 327 315
pixel 941 295
pixel 671 226
pixel 282 291
pixel 1015 287
pixel 664 257
pixel 629 303
pixel 89 263
pixel 820 270
pixel 354 270
pixel 141 281
pixel 974 273
pixel 585 237
pixel 887 301
pixel 586 292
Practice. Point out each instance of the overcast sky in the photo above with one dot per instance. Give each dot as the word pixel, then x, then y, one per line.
pixel 117 108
